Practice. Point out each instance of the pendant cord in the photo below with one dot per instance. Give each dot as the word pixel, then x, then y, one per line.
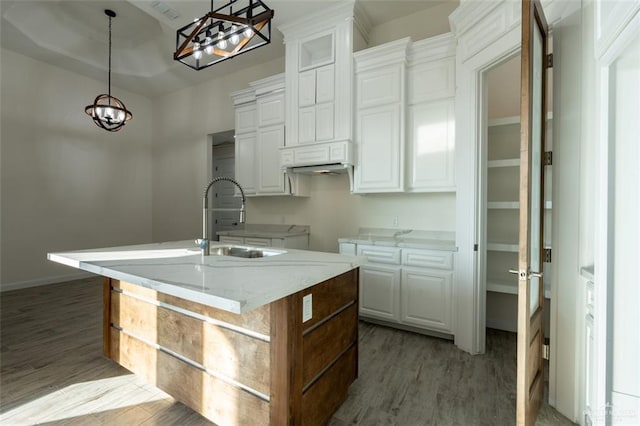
pixel 109 59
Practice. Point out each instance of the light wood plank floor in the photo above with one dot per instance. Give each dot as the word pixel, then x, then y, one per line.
pixel 53 372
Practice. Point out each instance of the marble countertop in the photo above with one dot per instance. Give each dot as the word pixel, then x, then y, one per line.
pixel 404 238
pixel 267 231
pixel 230 283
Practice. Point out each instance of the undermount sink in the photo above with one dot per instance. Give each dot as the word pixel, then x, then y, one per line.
pixel 243 251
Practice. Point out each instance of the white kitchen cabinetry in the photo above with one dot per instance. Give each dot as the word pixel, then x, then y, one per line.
pixel 406 287
pixel 315 101
pixel 270 176
pixel 260 134
pixel 405 118
pixel 300 242
pixel 245 140
pixel 379 132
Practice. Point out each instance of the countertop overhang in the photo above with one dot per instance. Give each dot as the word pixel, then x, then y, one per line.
pixel 233 284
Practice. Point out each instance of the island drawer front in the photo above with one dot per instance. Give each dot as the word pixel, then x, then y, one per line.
pixel 330 391
pixel 377 254
pixel 188 384
pixel 257 320
pixel 218 349
pixel 427 258
pixel 334 337
pixel 330 296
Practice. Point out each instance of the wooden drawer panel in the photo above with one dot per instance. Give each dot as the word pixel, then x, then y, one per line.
pixel 218 349
pixel 377 254
pixel 330 391
pixel 333 337
pixel 189 385
pixel 428 258
pixel 258 320
pixel 331 295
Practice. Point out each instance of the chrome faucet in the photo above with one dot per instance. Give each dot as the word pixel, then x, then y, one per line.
pixel 203 242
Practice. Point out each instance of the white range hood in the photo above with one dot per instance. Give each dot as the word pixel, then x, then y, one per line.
pixel 319 158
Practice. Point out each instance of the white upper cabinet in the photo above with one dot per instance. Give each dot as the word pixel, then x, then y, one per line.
pixel 405 116
pixel 270 176
pixel 325 84
pixel 307 88
pixel 270 109
pixel 378 147
pixel 260 117
pixel 380 106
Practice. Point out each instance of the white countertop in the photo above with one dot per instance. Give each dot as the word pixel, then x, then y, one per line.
pixel 432 240
pixel 230 283
pixel 267 231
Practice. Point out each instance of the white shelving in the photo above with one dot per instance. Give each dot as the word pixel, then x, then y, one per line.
pixel 510 162
pixel 511 205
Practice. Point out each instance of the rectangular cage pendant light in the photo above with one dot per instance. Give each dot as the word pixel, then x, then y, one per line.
pixel 237 27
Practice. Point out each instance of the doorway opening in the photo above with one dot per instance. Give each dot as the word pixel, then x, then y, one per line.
pixel 222 163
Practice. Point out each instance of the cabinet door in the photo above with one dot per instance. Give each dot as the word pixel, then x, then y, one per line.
pixel 307 124
pixel 379 292
pixel 379 87
pixel 426 298
pixel 245 118
pixel 257 242
pixel 324 122
pixel 270 177
pixel 270 109
pixel 245 162
pixel 307 88
pixel 431 146
pixel 325 86
pixel 378 150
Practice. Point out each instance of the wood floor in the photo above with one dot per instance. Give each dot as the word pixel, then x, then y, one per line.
pixel 53 372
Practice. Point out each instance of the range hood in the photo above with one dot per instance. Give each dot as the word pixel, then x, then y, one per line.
pixel 324 169
pixel 319 158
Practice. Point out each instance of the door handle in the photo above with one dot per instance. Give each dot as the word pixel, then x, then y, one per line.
pixel 525 275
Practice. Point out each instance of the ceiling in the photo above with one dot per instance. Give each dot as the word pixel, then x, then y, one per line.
pixel 74 35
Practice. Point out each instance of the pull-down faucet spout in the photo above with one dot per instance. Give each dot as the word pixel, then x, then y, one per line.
pixel 204 241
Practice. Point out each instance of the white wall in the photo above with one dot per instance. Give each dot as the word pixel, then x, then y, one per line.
pixel 66 184
pixel 420 25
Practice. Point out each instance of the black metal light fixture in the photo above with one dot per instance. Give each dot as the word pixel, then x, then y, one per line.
pixel 108 112
pixel 237 27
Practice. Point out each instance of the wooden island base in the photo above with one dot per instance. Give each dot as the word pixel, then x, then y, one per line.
pixel 263 367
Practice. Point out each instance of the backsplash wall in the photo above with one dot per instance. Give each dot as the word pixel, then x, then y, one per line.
pixel 333 212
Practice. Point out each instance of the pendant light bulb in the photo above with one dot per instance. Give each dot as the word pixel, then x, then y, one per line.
pixel 222 43
pixel 197 53
pixel 209 49
pixel 248 32
pixel 235 38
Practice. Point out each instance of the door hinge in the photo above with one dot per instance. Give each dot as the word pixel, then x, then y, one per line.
pixel 546 255
pixel 548 158
pixel 546 351
pixel 475 247
pixel 550 60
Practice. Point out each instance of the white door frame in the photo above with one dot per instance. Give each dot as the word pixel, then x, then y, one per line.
pixel 615 27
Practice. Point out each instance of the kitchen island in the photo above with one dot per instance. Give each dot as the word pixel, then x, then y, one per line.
pixel 241 340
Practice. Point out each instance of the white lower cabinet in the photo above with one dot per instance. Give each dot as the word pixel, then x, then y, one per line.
pixel 406 286
pixel 380 292
pixel 300 241
pixel 426 298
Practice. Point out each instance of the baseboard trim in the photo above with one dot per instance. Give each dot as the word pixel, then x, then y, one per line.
pixel 18 285
pixel 502 325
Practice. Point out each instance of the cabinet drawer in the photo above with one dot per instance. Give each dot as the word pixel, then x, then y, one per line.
pixel 428 258
pixel 231 240
pixel 258 242
pixel 377 254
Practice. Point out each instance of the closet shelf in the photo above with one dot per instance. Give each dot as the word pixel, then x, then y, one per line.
pixel 510 162
pixel 512 248
pixel 512 205
pixel 511 287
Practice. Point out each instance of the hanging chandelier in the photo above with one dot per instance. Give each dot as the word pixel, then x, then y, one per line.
pixel 237 27
pixel 108 112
